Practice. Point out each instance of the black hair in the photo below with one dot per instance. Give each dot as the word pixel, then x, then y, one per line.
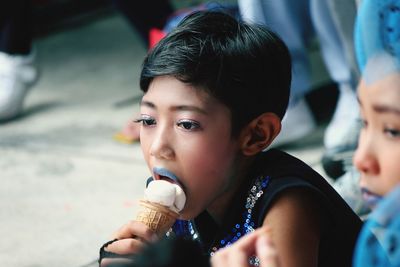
pixel 247 67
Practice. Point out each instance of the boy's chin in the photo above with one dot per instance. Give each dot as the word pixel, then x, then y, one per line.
pixel 186 216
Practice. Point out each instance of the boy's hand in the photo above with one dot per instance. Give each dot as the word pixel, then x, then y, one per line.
pixel 257 243
pixel 129 240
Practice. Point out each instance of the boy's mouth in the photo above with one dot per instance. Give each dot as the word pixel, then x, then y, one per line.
pixel 166 175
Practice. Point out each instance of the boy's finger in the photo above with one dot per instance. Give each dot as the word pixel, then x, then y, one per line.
pixel 135 229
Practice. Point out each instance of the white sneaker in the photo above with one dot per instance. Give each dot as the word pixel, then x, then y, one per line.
pixel 297 123
pixel 17 75
pixel 342 129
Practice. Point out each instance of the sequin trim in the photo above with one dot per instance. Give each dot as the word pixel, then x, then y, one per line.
pixel 246 224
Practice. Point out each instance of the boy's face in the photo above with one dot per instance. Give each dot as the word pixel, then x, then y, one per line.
pixel 188 133
pixel 378 154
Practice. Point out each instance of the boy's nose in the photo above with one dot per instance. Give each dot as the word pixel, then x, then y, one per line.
pixel 161 146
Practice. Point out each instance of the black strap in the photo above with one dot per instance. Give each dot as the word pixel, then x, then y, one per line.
pixel 107 254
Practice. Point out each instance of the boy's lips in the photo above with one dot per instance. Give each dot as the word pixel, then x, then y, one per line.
pixel 164 174
pixel 370 198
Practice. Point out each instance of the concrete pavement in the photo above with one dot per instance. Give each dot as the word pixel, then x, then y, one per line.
pixel 66 185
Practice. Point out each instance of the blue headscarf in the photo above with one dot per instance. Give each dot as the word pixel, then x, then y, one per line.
pixel 377 37
pixel 379 240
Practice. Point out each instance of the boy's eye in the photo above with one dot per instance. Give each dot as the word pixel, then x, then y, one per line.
pixel 188 125
pixel 146 121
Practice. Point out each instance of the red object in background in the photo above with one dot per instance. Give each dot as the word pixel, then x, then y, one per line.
pixel 155 35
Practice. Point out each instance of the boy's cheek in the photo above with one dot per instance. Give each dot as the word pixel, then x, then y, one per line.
pixel 191 210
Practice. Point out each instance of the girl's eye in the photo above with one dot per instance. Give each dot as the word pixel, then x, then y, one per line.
pixel 188 125
pixel 393 133
pixel 146 121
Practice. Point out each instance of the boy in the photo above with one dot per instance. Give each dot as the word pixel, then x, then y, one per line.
pixel 215 91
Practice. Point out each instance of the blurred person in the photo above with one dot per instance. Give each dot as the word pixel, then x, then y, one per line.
pixel 17 59
pixel 17 70
pixel 377 43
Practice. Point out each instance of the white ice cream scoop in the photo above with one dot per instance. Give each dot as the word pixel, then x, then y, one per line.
pixel 165 193
pixel 180 198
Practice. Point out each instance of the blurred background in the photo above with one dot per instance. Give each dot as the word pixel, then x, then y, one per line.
pixel 66 183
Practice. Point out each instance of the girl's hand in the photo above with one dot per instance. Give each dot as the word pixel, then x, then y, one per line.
pixel 257 243
pixel 129 240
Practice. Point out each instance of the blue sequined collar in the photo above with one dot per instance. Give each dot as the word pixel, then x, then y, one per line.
pixel 244 225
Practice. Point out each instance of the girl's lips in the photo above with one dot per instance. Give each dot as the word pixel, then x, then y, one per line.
pixel 370 198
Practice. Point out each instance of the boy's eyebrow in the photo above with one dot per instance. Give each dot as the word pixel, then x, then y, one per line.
pixel 176 108
pixel 190 108
pixel 147 103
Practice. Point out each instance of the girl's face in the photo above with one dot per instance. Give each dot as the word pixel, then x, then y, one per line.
pixel 378 154
pixel 186 136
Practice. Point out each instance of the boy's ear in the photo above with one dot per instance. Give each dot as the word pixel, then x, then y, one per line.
pixel 259 133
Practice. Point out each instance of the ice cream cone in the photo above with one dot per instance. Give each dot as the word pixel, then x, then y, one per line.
pixel 157 217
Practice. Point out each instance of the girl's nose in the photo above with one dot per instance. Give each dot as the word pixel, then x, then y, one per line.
pixel 364 157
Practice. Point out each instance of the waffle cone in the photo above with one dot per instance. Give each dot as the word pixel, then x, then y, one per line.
pixel 157 217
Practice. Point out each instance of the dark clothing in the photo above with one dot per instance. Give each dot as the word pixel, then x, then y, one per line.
pixel 15 27
pixel 273 172
pixel 16 20
pixel 144 15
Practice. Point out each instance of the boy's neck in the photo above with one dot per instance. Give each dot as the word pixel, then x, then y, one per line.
pixel 220 206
